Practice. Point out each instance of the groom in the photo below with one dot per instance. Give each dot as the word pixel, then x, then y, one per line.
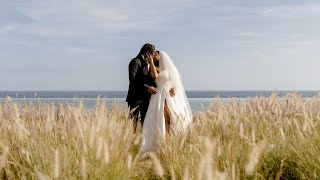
pixel 141 85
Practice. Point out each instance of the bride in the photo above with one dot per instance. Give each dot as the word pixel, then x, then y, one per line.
pixel 169 107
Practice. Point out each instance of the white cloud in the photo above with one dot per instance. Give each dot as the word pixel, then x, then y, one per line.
pixel 296 35
pixel 248 34
pixel 292 43
pixel 8 28
pixel 79 18
pixel 290 11
pixel 78 50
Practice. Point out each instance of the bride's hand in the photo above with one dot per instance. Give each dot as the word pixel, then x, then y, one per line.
pixel 172 93
pixel 149 58
pixel 152 90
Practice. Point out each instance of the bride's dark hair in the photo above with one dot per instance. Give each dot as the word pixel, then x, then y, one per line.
pixel 147 48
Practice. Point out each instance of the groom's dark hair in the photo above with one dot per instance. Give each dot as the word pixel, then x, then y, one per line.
pixel 146 48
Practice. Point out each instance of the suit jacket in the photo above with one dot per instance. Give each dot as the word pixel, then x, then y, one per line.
pixel 140 81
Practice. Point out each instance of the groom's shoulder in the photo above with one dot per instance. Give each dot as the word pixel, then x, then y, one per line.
pixel 135 60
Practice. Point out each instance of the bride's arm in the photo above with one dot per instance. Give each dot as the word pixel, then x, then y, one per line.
pixel 153 69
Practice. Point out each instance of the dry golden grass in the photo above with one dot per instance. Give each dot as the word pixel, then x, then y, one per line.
pixel 260 138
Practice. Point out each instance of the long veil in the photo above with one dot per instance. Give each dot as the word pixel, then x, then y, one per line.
pixel 178 105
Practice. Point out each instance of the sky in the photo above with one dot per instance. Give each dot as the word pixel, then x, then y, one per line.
pixel 215 44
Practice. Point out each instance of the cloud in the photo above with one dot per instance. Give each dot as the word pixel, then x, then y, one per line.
pixel 76 18
pixel 291 11
pixel 248 34
pixel 33 70
pixel 54 30
pixel 292 43
pixel 8 28
pixel 79 50
pixel 296 35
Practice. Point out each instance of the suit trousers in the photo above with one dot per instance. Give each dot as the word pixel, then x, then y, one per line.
pixel 135 111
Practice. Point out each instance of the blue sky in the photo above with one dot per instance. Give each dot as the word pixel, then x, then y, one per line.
pixel 216 45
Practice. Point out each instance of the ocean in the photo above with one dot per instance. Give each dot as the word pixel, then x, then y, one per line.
pixel 198 100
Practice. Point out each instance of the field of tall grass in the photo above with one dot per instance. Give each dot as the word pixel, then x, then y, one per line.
pixel 260 138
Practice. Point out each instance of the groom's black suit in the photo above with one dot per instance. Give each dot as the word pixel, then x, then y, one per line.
pixel 140 81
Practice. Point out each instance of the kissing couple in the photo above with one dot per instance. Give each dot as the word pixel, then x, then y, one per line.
pixel 156 93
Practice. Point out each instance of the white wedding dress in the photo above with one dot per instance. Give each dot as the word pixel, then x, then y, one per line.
pixel 181 115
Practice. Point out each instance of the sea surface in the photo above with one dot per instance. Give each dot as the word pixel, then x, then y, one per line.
pixel 198 100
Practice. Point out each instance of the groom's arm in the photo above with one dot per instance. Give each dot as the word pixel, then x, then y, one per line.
pixel 150 85
pixel 146 86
